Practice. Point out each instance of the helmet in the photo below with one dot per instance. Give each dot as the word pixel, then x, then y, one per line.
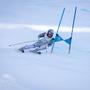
pixel 50 33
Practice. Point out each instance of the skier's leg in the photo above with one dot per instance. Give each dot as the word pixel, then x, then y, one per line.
pixel 30 47
pixel 38 49
pixel 26 47
pixel 39 45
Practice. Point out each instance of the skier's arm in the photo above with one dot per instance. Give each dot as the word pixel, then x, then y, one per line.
pixel 41 35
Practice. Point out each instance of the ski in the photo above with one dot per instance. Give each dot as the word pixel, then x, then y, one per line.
pixel 38 52
pixel 31 51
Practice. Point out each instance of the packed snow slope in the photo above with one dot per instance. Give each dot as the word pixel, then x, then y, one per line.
pixel 56 71
pixel 19 22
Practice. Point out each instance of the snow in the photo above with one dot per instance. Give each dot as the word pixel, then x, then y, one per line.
pixel 48 71
pixel 56 71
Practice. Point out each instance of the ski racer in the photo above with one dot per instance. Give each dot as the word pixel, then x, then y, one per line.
pixel 45 40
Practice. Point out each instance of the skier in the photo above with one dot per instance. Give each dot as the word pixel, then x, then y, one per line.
pixel 45 40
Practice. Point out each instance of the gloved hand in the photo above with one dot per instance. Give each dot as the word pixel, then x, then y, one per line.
pixel 57 35
pixel 52 38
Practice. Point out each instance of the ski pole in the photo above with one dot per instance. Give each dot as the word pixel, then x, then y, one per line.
pixel 72 28
pixel 58 28
pixel 20 43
